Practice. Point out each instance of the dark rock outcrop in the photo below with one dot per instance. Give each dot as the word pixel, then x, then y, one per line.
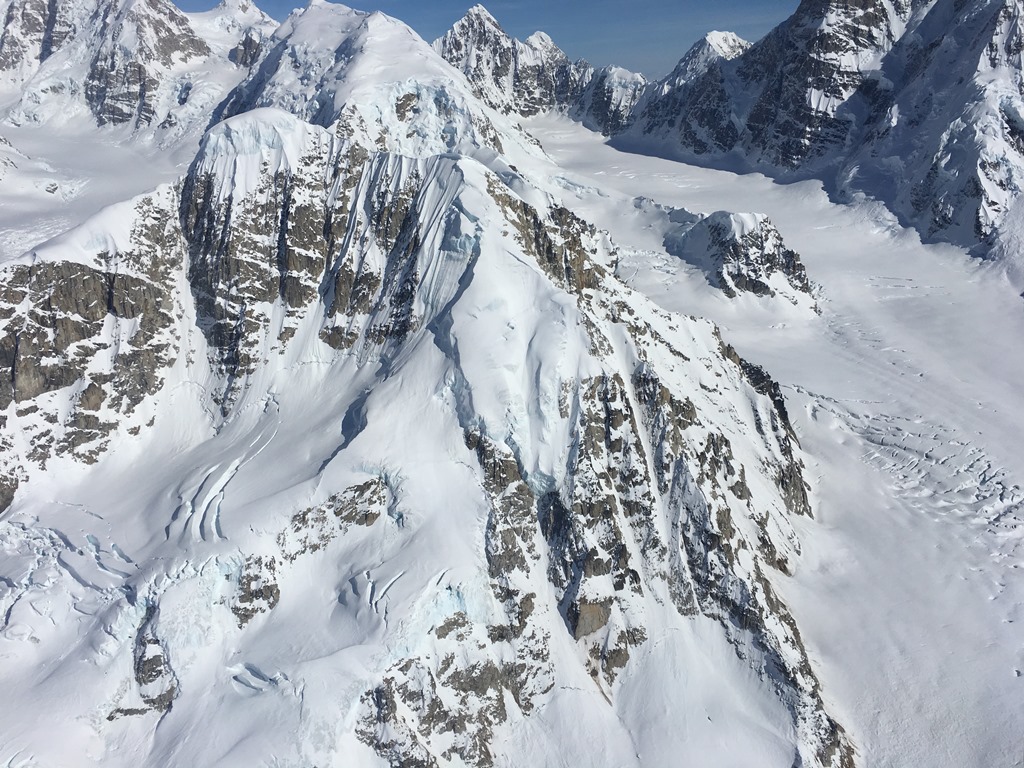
pixel 741 253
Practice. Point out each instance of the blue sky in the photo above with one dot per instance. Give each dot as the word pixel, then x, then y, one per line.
pixel 644 35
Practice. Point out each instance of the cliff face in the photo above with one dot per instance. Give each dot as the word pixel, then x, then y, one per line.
pixel 509 75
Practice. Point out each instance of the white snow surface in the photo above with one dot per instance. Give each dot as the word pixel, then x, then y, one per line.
pixel 224 25
pixel 904 394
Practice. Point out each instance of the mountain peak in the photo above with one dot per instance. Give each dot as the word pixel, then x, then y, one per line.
pixel 542 43
pixel 535 75
pixel 482 14
pixel 339 8
pixel 714 46
pixel 728 44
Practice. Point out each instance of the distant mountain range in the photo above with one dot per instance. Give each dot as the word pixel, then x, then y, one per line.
pixel 917 104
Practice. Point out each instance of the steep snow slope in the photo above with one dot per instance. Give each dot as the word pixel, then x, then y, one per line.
pixel 402 405
pixel 944 141
pixel 705 53
pixel 904 397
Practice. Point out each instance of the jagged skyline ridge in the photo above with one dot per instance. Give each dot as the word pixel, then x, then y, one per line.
pixel 648 37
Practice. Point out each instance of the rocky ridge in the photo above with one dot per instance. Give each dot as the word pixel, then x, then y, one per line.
pixel 533 76
pixel 741 253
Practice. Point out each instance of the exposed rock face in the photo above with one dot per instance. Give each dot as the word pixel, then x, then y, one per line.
pixel 862 95
pixel 314 529
pixel 32 31
pixel 741 253
pixel 132 62
pixel 138 40
pixel 509 75
pixel 533 76
pixel 255 249
pixel 90 339
pixel 257 589
pixel 248 50
pixel 156 685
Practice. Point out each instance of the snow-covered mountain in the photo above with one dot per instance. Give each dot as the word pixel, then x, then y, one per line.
pixel 355 441
pixel 916 104
pixel 712 48
pixel 522 77
pixel 944 144
pixel 533 76
pixel 357 372
pixel 605 494
pixel 779 102
pixel 141 64
pixel 332 65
